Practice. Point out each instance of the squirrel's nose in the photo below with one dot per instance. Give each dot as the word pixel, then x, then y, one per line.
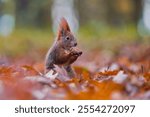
pixel 75 44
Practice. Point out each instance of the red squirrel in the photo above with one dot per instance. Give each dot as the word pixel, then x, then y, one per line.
pixel 63 51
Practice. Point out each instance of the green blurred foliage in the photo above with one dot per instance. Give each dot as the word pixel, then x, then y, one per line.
pixel 33 40
pixel 103 24
pixel 24 41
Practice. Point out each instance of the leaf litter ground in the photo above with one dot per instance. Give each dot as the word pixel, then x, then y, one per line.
pixel 100 75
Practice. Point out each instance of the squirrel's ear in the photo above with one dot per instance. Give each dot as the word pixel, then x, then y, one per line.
pixel 64 24
pixel 63 27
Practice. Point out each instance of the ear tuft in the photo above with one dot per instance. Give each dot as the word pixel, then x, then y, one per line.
pixel 63 27
pixel 64 24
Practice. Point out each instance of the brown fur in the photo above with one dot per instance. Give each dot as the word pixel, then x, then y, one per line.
pixel 63 52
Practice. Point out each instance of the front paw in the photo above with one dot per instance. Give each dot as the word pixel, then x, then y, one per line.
pixel 75 52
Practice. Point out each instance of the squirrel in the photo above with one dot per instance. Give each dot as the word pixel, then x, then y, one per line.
pixel 63 51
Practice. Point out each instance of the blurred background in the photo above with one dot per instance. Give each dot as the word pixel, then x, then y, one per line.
pixel 28 27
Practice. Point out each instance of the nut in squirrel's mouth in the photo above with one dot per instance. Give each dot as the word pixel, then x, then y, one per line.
pixel 78 54
pixel 81 53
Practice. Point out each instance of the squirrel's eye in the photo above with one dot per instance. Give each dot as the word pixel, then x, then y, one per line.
pixel 67 38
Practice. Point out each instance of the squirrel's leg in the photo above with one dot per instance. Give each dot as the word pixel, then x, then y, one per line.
pixel 49 66
pixel 70 71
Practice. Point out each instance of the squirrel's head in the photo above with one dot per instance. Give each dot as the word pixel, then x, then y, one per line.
pixel 65 37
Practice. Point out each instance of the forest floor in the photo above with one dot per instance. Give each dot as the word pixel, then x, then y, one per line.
pixel 101 75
